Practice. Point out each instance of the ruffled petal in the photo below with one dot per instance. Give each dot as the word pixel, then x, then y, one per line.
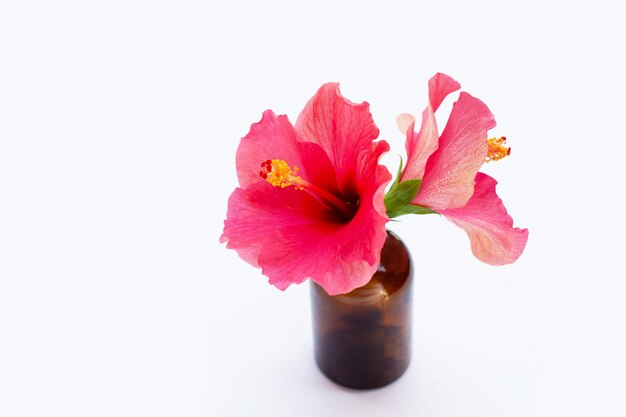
pixel 439 86
pixel 490 229
pixel 448 180
pixel 419 146
pixel 342 128
pixel 404 121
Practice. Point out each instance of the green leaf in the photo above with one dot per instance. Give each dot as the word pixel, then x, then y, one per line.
pixel 401 194
pixel 411 209
pixel 398 175
pixel 398 198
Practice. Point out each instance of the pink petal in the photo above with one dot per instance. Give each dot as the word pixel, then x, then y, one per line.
pixel 439 86
pixel 404 121
pixel 419 146
pixel 489 227
pixel 448 180
pixel 342 128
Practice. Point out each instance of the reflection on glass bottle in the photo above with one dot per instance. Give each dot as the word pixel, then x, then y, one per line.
pixel 363 338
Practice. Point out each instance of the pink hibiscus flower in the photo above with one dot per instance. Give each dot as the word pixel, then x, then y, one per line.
pixel 310 197
pixel 448 169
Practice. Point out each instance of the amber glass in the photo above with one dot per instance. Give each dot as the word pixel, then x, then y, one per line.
pixel 363 338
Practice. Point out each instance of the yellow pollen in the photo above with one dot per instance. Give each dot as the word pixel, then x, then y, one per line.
pixel 497 149
pixel 279 174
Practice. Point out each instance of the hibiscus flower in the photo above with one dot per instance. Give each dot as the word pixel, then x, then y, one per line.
pixel 310 197
pixel 446 168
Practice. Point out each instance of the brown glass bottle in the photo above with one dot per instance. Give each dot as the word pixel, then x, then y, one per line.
pixel 363 338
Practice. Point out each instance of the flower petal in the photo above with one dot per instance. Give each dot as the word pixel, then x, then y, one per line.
pixel 419 146
pixel 488 225
pixel 404 121
pixel 439 86
pixel 448 180
pixel 342 128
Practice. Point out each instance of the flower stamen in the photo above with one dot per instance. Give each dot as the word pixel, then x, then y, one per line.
pixel 279 174
pixel 497 149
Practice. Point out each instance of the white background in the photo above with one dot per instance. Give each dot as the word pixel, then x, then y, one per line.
pixel 119 123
